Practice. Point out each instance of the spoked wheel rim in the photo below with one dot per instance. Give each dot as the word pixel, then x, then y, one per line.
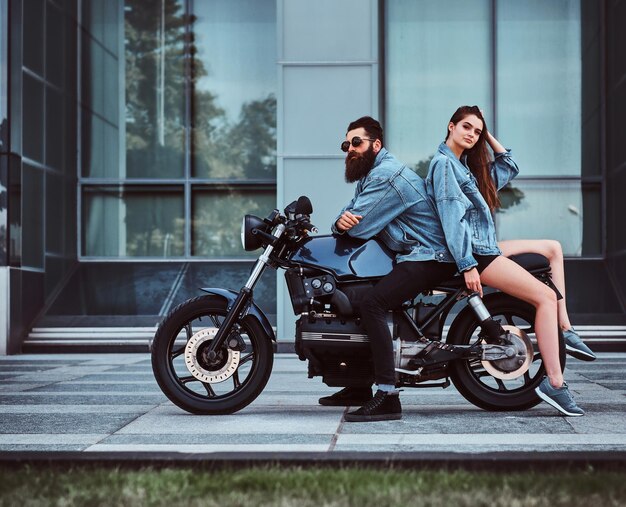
pixel 212 378
pixel 528 380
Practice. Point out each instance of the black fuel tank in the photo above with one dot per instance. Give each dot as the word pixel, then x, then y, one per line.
pixel 346 257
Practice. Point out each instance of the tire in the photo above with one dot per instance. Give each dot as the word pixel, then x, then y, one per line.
pixel 471 379
pixel 247 371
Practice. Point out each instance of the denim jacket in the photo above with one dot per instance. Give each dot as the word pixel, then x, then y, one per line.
pixel 465 216
pixel 394 205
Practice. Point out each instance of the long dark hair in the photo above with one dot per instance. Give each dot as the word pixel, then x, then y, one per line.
pixel 478 157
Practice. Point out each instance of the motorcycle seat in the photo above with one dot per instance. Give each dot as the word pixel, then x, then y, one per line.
pixel 531 262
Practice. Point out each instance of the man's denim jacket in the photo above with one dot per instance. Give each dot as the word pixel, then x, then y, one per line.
pixel 394 205
pixel 466 218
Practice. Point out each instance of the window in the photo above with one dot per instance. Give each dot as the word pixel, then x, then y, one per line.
pixel 185 144
pixel 522 63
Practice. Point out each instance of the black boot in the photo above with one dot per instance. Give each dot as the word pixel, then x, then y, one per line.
pixel 348 396
pixel 382 407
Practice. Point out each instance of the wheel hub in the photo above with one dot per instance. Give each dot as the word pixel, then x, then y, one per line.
pixel 204 368
pixel 519 360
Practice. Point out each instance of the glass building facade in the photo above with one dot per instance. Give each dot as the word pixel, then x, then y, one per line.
pixel 135 134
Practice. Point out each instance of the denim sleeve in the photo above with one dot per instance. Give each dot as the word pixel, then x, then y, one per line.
pixel 451 207
pixel 378 204
pixel 333 227
pixel 503 169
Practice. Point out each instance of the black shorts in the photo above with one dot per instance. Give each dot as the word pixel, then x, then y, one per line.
pixel 484 261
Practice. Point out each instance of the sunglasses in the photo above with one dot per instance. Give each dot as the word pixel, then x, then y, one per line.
pixel 356 141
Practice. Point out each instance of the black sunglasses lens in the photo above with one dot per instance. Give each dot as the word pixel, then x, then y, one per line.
pixel 356 141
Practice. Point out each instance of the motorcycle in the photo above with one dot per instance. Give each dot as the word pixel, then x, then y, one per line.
pixel 213 354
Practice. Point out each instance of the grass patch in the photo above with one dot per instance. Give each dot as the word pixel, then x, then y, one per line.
pixel 285 487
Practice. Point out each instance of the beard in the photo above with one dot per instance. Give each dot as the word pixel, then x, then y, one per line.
pixel 358 165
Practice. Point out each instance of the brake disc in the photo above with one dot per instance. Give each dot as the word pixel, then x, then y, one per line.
pixel 518 364
pixel 198 364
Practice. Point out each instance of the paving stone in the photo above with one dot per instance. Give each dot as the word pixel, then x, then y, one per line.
pixel 64 423
pixel 122 398
pixel 168 419
pixel 76 387
pixel 222 439
pixel 111 403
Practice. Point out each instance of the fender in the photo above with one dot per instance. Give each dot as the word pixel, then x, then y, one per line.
pixel 253 310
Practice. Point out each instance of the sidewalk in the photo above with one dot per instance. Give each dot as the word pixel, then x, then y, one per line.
pixel 109 406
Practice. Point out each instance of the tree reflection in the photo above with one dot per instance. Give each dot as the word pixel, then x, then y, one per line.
pixel 162 76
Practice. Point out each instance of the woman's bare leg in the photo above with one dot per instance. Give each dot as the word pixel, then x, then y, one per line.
pixel 511 278
pixel 552 250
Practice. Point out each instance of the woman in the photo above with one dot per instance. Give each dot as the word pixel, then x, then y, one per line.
pixel 463 182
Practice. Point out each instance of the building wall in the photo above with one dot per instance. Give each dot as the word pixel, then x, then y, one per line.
pixel 38 157
pixel 615 90
pixel 328 65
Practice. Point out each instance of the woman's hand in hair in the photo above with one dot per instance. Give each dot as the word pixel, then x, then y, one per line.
pixel 495 144
pixel 472 281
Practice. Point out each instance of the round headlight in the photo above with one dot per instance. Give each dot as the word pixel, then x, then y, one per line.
pixel 248 240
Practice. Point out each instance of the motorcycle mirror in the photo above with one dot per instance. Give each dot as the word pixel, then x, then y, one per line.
pixel 304 206
pixel 290 209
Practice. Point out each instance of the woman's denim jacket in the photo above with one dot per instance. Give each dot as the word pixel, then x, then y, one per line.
pixel 466 218
pixel 394 205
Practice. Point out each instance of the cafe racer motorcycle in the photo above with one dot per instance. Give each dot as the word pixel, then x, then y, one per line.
pixel 213 354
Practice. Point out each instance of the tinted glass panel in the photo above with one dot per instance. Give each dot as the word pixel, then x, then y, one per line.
pixel 33 219
pixel 133 222
pixel 155 89
pixel 55 129
pixel 539 97
pixel 234 79
pixel 437 57
pixel 551 209
pixel 217 216
pixel 33 31
pixel 55 48
pixel 122 289
pixel 4 67
pixel 33 118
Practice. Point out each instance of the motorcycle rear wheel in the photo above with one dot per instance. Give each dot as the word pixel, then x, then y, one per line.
pixel 471 379
pixel 177 366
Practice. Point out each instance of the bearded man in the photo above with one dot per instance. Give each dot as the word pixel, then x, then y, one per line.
pixel 391 202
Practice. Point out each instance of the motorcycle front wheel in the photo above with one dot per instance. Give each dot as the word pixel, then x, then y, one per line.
pixel 474 382
pixel 204 384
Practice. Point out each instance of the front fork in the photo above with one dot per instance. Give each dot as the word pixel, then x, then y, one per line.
pixel 244 297
pixel 491 329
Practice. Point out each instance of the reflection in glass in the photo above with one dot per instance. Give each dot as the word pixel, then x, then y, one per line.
pixel 4 133
pixel 32 118
pixel 217 216
pixel 212 73
pixel 133 222
pixel 543 210
pixel 539 97
pixel 155 88
pixel 100 152
pixel 55 44
pixel 33 217
pixel 33 41
pixel 234 79
pixel 437 57
pixel 122 289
